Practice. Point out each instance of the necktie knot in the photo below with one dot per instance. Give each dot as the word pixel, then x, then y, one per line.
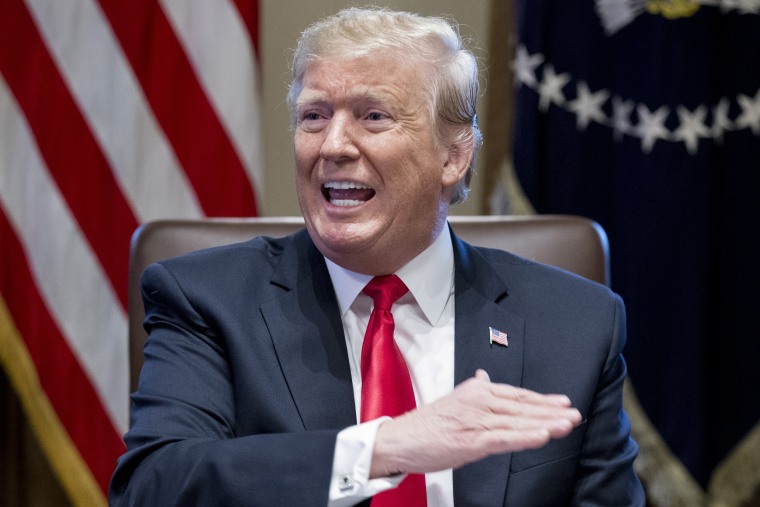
pixel 385 290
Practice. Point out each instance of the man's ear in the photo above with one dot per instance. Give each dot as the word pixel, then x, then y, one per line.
pixel 457 162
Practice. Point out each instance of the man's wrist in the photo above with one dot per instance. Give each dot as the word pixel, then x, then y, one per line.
pixel 352 461
pixel 385 462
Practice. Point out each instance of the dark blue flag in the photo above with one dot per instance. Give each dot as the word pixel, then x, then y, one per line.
pixel 645 116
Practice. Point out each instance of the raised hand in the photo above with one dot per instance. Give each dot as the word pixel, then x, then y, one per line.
pixel 477 419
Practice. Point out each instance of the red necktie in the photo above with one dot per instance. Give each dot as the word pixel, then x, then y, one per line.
pixel 386 384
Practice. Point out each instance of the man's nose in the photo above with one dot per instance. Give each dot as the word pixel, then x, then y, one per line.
pixel 339 142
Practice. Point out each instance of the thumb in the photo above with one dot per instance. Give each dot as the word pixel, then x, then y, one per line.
pixel 482 375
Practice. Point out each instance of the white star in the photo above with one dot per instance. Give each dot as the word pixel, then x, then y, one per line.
pixel 525 66
pixel 750 116
pixel 748 6
pixel 691 128
pixel 721 123
pixel 616 14
pixel 550 88
pixel 727 5
pixel 651 126
pixel 621 113
pixel 588 106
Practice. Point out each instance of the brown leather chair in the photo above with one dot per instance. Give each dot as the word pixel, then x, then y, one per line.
pixel 572 243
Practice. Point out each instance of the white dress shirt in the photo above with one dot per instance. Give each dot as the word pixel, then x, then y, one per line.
pixel 424 333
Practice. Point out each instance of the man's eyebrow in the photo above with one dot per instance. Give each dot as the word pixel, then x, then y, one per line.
pixel 309 97
pixel 359 94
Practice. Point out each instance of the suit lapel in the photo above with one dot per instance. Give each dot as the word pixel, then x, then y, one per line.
pixel 481 302
pixel 307 334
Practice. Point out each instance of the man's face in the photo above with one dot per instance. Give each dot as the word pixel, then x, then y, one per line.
pixel 373 181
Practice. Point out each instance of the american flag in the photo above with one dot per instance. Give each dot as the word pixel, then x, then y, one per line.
pixel 496 336
pixel 112 113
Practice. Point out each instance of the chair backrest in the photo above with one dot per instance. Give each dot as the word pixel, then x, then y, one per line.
pixel 575 244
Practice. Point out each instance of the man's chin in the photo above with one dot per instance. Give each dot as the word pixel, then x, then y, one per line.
pixel 347 237
pixel 343 237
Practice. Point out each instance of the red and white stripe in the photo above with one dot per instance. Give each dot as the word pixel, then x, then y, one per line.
pixel 112 113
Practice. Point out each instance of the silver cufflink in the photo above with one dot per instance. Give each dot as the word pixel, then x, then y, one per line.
pixel 345 482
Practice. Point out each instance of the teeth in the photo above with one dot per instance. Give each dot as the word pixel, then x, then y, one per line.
pixel 345 202
pixel 342 185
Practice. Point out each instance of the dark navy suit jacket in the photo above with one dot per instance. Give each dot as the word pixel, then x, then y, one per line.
pixel 246 380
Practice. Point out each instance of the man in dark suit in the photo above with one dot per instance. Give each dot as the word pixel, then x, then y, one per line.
pixel 255 368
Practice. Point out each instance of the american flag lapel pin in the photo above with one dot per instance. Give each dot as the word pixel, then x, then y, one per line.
pixel 496 336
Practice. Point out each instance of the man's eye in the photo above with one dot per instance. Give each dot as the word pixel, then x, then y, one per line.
pixel 375 116
pixel 311 116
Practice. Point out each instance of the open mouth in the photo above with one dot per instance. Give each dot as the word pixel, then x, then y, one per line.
pixel 346 193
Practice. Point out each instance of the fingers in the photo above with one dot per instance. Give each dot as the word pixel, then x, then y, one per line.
pixel 553 424
pixel 503 441
pixel 504 398
pixel 478 419
pixel 532 408
pixel 515 408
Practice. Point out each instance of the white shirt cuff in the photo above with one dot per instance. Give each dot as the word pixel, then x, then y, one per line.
pixel 350 482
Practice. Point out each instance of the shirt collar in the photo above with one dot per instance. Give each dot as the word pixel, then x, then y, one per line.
pixel 429 277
